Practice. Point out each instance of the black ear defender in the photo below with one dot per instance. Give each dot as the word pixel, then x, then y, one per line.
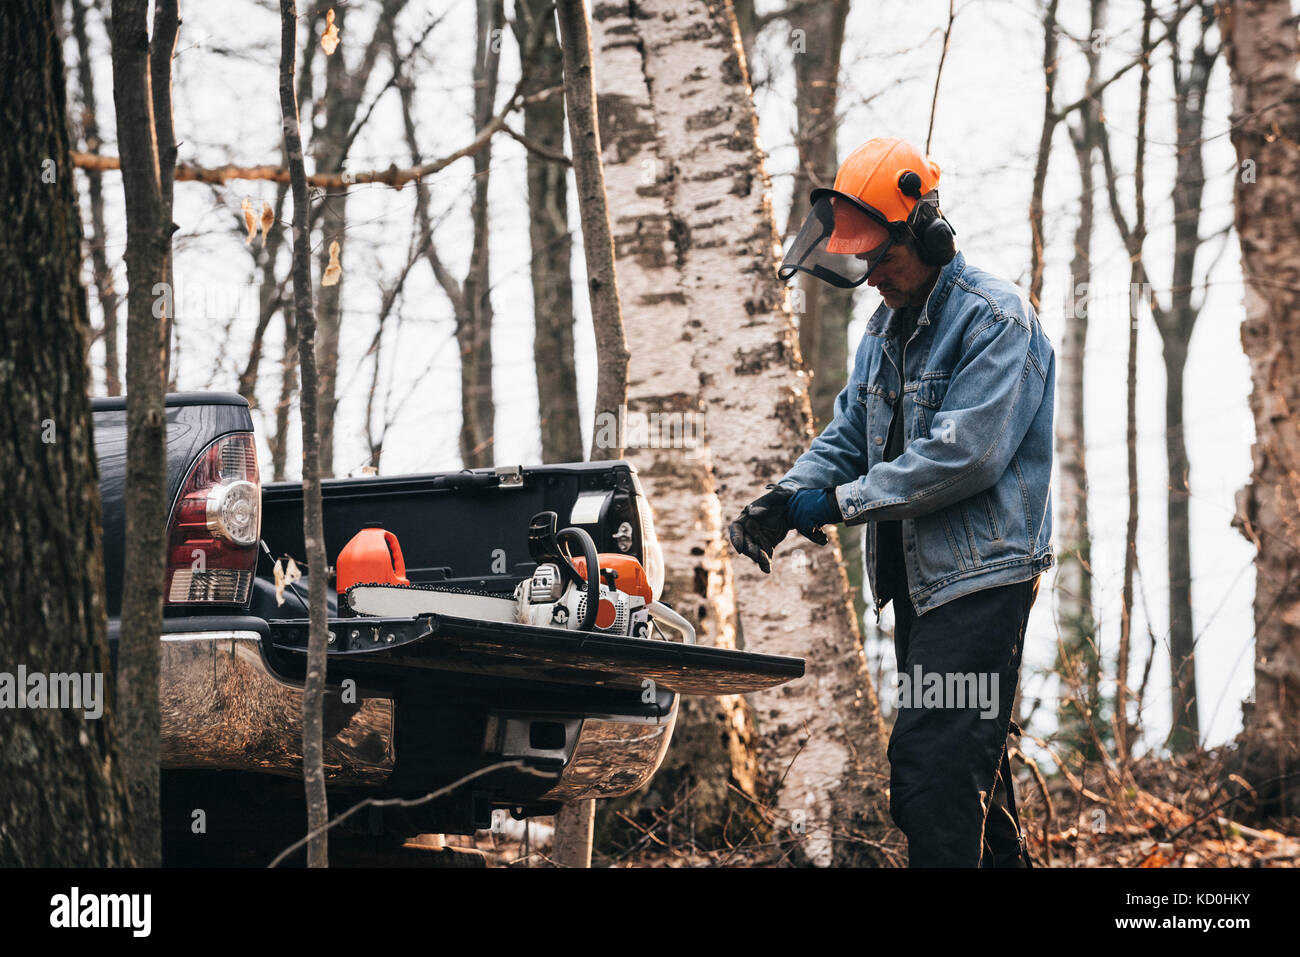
pixel 936 242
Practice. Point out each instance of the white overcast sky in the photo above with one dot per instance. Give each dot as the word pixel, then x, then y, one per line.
pixel 985 136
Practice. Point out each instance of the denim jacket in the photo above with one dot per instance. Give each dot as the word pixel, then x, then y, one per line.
pixel 973 484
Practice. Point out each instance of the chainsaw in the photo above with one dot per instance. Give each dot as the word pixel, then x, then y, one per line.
pixel 606 593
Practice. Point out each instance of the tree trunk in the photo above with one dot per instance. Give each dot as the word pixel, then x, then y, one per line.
pixel 713 739
pixel 63 799
pixel 1079 708
pixel 1262 52
pixel 575 824
pixel 148 241
pixel 288 387
pixel 313 523
pixel 822 758
pixel 1185 726
pixel 474 325
pixel 103 273
pixel 268 299
pixel 328 150
pixel 1190 85
pixel 551 244
pixel 598 244
pixel 1051 40
pixel 344 88
pixel 166 25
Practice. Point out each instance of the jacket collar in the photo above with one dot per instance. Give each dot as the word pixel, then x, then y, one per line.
pixel 883 322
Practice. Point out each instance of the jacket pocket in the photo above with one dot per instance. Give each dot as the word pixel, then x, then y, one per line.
pixel 877 412
pixel 928 399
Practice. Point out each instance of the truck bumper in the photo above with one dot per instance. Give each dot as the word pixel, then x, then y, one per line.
pixel 223 708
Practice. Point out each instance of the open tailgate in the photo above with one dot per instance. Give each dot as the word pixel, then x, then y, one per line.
pixel 447 643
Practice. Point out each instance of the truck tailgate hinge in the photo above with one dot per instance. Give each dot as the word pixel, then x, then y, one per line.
pixel 510 476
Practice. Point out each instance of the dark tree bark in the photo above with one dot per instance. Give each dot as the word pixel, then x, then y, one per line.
pixel 63 801
pixel 313 522
pixel 598 244
pixel 1134 239
pixel 148 241
pixel 474 325
pixel 551 244
pixel 166 25
pixel 288 388
pixel 575 823
pixel 269 295
pixel 1051 118
pixel 1191 81
pixel 1262 50
pixel 103 273
pixel 1079 713
pixel 328 147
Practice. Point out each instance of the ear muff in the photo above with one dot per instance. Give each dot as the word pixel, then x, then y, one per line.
pixel 936 242
pixel 935 239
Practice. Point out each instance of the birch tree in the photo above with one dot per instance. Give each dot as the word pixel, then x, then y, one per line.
pixel 713 739
pixel 822 753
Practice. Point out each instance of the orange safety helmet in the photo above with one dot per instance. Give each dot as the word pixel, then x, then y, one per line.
pixel 885 192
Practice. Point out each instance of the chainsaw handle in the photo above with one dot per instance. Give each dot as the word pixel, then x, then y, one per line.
pixel 592 582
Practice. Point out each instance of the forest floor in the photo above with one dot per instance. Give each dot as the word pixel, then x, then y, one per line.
pixel 1169 812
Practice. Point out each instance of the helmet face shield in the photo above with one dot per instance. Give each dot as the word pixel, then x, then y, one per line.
pixel 841 241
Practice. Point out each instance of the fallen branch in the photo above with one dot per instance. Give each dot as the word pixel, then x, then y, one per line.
pixel 403 802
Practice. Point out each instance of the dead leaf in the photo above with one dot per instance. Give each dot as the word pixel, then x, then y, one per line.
pixel 333 271
pixel 279 583
pixel 250 220
pixel 268 219
pixel 284 577
pixel 329 40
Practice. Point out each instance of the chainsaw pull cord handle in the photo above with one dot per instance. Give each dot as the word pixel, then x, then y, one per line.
pixel 588 548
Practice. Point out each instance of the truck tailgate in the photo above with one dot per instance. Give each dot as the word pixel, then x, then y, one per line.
pixel 447 643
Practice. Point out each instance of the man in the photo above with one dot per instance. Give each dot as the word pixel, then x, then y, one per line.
pixel 941 444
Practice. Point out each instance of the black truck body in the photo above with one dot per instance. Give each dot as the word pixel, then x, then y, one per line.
pixel 413 704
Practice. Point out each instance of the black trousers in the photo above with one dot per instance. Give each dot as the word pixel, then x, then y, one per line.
pixel 951 790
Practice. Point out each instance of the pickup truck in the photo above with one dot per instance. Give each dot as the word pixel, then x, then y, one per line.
pixel 560 710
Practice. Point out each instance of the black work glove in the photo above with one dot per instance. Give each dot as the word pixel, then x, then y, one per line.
pixel 761 526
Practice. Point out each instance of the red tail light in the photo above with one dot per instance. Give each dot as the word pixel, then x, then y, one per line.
pixel 215 526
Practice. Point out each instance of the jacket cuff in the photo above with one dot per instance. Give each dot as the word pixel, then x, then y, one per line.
pixel 849 512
